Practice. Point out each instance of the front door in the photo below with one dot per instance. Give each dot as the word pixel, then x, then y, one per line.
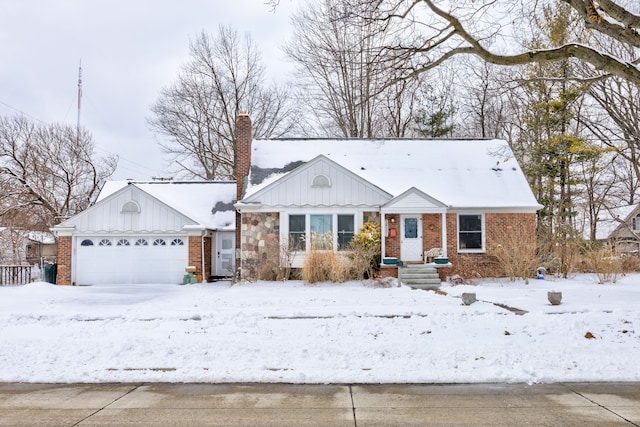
pixel 411 238
pixel 225 253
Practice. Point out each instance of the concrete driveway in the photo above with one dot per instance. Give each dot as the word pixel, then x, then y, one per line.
pixel 574 404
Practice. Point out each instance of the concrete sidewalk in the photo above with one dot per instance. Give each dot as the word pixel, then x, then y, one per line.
pixel 574 404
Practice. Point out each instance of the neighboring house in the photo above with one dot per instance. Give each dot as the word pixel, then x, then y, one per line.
pixel 619 226
pixel 464 196
pixel 150 232
pixel 20 247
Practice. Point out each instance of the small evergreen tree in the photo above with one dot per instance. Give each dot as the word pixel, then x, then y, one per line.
pixel 365 250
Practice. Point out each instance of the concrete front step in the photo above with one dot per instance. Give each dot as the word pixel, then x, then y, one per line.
pixel 420 276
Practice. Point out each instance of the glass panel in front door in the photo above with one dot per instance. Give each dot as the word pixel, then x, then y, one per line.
pixel 411 228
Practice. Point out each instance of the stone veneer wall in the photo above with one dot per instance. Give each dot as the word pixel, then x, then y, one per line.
pixel 258 229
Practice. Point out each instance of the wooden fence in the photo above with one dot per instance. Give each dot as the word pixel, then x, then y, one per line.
pixel 15 274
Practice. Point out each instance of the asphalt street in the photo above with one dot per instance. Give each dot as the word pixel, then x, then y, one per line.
pixel 152 404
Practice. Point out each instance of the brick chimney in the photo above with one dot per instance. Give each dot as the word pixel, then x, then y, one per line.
pixel 242 164
pixel 242 155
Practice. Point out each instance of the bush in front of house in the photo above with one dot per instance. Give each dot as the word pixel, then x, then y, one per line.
pixel 515 257
pixel 364 251
pixel 324 266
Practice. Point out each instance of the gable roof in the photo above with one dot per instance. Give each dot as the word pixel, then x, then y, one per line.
pixel 205 203
pixel 462 173
pixel 613 221
pixel 209 203
pixel 339 187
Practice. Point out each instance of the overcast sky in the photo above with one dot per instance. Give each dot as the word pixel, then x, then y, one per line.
pixel 129 50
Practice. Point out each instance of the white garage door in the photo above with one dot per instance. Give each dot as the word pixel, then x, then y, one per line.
pixel 101 260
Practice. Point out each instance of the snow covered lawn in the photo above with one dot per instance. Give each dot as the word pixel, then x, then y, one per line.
pixel 330 333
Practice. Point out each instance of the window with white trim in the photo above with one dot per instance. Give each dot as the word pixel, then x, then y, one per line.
pixel 297 232
pixel 346 230
pixel 321 227
pixel 471 232
pixel 323 231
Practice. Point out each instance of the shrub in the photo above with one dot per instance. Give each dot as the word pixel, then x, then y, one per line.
pixel 323 266
pixel 604 262
pixel 364 251
pixel 516 258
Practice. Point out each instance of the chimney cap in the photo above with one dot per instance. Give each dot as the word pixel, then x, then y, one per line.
pixel 243 113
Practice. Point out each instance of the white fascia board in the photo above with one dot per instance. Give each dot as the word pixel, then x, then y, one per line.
pixel 248 207
pixel 493 209
pixel 63 231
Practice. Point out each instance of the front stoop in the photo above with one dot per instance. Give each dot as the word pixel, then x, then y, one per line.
pixel 419 276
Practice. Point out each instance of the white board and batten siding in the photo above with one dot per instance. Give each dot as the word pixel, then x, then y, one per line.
pixel 414 201
pixel 320 183
pixel 153 215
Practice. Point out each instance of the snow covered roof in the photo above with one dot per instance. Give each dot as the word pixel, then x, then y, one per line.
pixel 210 203
pixel 464 173
pixel 609 221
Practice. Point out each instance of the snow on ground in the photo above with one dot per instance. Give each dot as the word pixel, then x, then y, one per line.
pixel 329 333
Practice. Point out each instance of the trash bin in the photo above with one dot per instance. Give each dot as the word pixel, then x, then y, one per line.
pixel 50 273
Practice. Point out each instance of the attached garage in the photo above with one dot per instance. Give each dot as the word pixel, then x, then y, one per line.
pixel 149 233
pixel 130 259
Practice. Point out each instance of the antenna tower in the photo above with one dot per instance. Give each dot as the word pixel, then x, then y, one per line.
pixel 79 100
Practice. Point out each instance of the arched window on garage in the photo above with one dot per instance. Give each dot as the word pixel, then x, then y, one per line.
pixel 159 242
pixel 123 242
pixel 141 242
pixel 105 242
pixel 177 242
pixel 86 242
pixel 130 207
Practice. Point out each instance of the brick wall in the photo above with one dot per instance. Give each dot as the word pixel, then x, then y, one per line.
pixel 241 166
pixel 195 255
pixel 500 229
pixel 431 231
pixel 64 260
pixel 392 243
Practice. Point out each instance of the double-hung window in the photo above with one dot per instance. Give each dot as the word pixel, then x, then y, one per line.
pixel 345 231
pixel 297 232
pixel 470 232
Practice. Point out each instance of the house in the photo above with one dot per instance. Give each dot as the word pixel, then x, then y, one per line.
pixel 619 226
pixel 150 232
pixel 467 197
pixel 22 247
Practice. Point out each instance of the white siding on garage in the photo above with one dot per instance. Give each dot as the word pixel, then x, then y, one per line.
pixel 153 216
pixel 95 264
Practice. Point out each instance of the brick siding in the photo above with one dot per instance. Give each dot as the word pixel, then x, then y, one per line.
pixel 195 255
pixel 64 260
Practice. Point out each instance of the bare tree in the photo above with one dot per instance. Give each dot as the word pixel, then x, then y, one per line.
pixel 344 81
pixel 197 113
pixel 444 29
pixel 49 172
